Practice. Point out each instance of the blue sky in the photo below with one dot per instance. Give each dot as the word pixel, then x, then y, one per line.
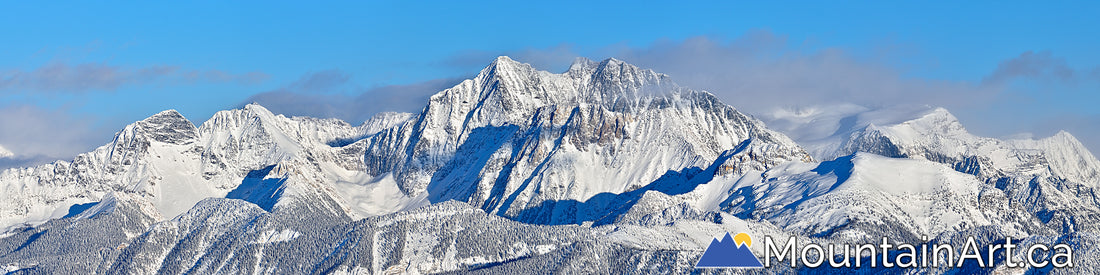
pixel 88 68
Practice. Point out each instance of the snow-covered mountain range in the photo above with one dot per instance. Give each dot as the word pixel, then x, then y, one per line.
pixel 605 168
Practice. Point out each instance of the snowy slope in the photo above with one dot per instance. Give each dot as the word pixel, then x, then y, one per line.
pixel 174 164
pixel 517 141
pixel 233 236
pixel 511 140
pixel 1067 157
pixel 823 130
pixel 864 196
pixel 1055 178
pixel 930 133
pixel 604 168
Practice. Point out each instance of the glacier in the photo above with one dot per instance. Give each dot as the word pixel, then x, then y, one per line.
pixel 604 168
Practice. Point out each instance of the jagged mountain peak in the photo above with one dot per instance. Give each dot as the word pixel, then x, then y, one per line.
pixel 250 113
pixel 934 119
pixel 613 64
pixel 604 142
pixel 581 64
pixel 508 92
pixel 1064 135
pixel 932 133
pixel 583 72
pixel 505 68
pixel 258 111
pixel 256 107
pixel 615 73
pixel 1067 156
pixel 167 126
pixel 513 87
pixel 515 141
pixel 1061 138
pixel 170 114
pixel 505 60
pixel 250 109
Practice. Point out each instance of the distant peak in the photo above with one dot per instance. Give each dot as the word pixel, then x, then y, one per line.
pixel 931 114
pixel 167 118
pixel 166 114
pixel 942 112
pixel 166 126
pixel 504 60
pixel 504 65
pixel 580 60
pixel 259 110
pixel 612 60
pixel 612 70
pixel 598 82
pixel 254 106
pixel 1063 135
pixel 614 63
pixel 582 64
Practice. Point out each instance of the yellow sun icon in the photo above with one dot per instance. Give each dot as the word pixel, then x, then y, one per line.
pixel 742 238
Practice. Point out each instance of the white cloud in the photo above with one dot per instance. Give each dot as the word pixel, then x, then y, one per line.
pixel 36 135
pixel 62 77
pixel 1034 65
pixel 330 94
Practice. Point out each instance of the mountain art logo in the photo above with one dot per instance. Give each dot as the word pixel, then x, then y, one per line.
pixel 730 252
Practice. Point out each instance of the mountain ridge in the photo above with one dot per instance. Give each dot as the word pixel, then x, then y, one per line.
pixel 518 169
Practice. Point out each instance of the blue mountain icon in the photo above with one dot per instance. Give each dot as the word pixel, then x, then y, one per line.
pixel 727 253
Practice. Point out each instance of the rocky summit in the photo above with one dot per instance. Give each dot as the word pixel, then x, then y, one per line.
pixel 605 168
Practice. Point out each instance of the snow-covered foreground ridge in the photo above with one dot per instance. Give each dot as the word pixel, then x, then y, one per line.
pixel 605 168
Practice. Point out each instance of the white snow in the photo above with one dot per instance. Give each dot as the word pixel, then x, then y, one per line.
pixel 597 128
pixel 272 236
pixel 515 137
pixel 372 196
pixel 926 196
pixel 13 267
pixel 5 153
pixel 545 248
pixel 182 167
pixel 1067 156
pixel 828 132
pixel 176 181
pixel 822 130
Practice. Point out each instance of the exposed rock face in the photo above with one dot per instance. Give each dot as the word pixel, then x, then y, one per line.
pixel 515 139
pixel 605 168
